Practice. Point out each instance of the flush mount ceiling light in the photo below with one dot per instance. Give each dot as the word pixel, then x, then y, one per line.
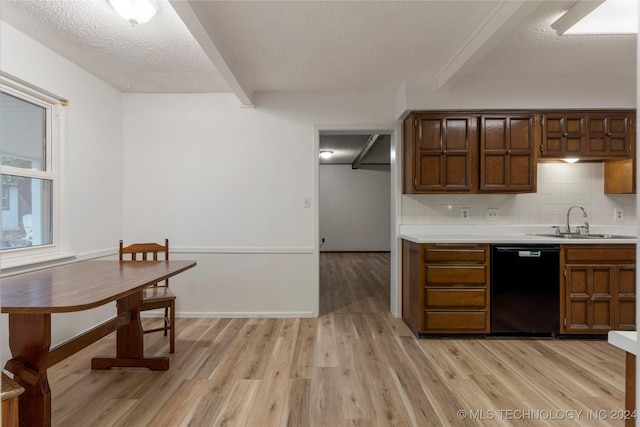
pixel 134 11
pixel 325 154
pixel 599 17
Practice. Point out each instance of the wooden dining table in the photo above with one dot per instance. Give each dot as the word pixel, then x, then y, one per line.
pixel 31 298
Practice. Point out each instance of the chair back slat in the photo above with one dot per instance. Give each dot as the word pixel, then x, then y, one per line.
pixel 145 252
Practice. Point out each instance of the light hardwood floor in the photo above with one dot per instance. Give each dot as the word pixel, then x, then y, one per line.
pixel 355 365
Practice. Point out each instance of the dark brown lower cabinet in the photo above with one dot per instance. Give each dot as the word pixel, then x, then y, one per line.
pixel 597 288
pixel 445 288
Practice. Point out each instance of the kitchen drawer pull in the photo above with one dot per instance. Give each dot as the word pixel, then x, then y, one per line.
pixel 455 245
pixel 551 248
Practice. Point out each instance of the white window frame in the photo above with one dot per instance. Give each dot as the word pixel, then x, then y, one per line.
pixel 53 117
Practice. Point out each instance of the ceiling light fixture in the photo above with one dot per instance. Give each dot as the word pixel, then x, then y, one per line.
pixel 134 11
pixel 325 154
pixel 599 17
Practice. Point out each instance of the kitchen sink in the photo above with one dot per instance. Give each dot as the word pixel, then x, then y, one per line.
pixel 584 236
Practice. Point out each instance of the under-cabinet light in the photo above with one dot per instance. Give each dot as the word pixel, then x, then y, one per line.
pixel 325 154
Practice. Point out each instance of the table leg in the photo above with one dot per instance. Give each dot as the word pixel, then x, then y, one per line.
pixel 630 389
pixel 29 341
pixel 130 342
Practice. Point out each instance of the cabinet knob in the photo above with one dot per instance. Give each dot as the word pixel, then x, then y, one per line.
pixel 609 134
pixel 508 151
pixel 565 134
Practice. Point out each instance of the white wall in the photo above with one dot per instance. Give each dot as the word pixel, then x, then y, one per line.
pixel 227 186
pixel 519 92
pixel 355 208
pixel 90 157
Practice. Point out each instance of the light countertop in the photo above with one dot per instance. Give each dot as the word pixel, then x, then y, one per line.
pixel 512 234
pixel 626 340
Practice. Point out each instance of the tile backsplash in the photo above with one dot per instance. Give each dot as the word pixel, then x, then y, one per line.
pixel 560 185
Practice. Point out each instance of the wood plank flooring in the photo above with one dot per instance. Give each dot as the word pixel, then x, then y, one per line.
pixel 355 365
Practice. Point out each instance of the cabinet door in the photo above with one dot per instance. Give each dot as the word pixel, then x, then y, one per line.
pixel 412 288
pixel 608 135
pixel 445 153
pixel 626 301
pixel 589 299
pixel 620 176
pixel 563 135
pixel 507 148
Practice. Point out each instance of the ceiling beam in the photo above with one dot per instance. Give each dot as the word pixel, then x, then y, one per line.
pixel 502 20
pixel 575 14
pixel 210 39
pixel 373 140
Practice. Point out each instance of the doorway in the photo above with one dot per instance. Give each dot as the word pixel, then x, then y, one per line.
pixel 356 220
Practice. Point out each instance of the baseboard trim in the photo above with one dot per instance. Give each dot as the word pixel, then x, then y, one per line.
pixel 241 250
pixel 227 315
pixel 355 252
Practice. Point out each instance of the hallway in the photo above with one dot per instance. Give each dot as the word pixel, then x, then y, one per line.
pixel 354 282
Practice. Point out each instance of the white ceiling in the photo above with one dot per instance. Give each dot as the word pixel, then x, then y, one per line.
pixel 160 56
pixel 246 47
pixel 347 148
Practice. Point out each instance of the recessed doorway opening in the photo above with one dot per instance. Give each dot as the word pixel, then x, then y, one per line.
pixel 356 221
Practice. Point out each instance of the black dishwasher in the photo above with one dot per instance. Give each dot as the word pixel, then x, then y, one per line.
pixel 525 290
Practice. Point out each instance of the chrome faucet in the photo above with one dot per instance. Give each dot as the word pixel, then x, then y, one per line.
pixel 584 214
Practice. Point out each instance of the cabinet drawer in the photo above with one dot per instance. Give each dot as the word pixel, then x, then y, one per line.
pixel 600 254
pixel 458 254
pixel 463 275
pixel 455 321
pixel 455 298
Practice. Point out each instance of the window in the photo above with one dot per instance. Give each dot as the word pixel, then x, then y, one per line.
pixel 29 135
pixel 6 205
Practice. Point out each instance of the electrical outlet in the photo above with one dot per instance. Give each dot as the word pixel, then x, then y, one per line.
pixel 464 214
pixel 492 214
pixel 618 214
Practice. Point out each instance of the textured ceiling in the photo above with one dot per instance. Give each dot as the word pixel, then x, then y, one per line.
pixel 309 45
pixel 343 45
pixel 534 48
pixel 158 56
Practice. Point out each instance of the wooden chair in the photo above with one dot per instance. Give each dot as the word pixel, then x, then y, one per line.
pixel 158 295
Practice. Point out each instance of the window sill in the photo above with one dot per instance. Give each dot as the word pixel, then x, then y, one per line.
pixel 22 264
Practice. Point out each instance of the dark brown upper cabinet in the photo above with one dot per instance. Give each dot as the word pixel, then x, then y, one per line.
pixel 587 135
pixel 507 152
pixel 491 151
pixel 441 153
pixel 563 135
pixel 610 134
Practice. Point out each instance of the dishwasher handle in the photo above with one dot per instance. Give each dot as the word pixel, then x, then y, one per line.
pixel 528 252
